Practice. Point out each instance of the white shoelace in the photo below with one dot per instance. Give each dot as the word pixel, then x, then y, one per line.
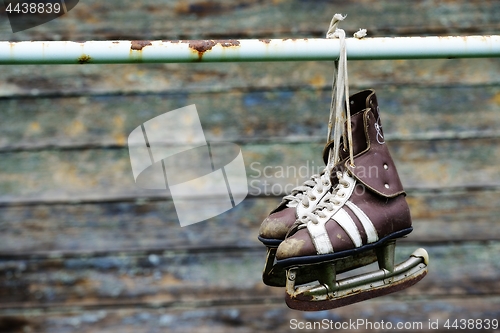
pixel 338 117
pixel 304 193
pixel 340 93
pixel 329 203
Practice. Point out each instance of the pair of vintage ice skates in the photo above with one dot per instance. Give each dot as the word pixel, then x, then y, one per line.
pixel 345 218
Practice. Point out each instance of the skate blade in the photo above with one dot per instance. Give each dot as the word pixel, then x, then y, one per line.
pixel 275 276
pixel 358 288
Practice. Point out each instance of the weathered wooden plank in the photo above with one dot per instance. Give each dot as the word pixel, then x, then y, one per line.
pixel 174 279
pixel 264 318
pixel 57 80
pixel 272 169
pixel 408 112
pixel 149 225
pixel 197 19
pixel 416 314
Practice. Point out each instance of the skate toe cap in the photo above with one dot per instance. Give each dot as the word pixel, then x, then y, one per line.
pixel 297 245
pixel 276 225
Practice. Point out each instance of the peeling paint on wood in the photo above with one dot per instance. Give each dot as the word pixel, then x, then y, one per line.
pixel 168 278
pixel 438 216
pixel 127 19
pixel 272 169
pixel 409 112
pixel 273 316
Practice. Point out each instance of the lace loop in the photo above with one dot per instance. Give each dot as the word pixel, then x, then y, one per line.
pixel 329 202
pixel 340 92
pixel 303 194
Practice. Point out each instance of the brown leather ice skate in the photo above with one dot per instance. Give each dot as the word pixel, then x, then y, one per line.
pixel 302 201
pixel 357 222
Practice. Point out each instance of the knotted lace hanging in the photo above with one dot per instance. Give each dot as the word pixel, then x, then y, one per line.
pixel 339 117
pixel 340 95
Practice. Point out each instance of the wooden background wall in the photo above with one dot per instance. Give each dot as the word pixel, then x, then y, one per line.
pixel 83 250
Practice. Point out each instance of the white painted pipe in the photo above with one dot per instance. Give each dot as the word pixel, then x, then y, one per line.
pixel 101 52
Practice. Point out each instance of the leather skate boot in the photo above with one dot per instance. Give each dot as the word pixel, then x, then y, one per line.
pixel 274 228
pixel 361 217
pixel 303 200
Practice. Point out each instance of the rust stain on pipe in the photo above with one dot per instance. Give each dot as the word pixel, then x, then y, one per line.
pixel 84 59
pixel 138 45
pixel 201 46
pixel 229 42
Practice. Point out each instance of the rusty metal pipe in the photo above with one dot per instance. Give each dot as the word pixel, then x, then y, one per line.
pixel 175 51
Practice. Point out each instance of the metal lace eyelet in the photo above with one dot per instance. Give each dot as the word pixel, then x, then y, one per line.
pixel 386 185
pixel 312 198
